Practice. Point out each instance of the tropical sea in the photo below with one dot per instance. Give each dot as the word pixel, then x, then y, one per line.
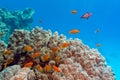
pixel 56 15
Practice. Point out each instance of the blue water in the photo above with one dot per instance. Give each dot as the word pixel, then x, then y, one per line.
pixel 56 15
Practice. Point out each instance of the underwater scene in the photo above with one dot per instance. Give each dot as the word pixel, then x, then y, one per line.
pixel 59 40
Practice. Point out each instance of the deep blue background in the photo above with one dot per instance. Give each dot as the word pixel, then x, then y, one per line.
pixel 56 15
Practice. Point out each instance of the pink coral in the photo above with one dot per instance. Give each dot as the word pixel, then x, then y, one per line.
pixel 82 63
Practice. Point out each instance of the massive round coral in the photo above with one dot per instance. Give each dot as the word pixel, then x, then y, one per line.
pixel 53 57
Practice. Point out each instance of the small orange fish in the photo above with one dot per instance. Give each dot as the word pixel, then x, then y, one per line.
pixel 57 58
pixel 8 52
pixel 56 68
pixel 27 48
pixel 29 64
pixel 74 31
pixel 86 15
pixel 36 54
pixel 74 11
pixel 39 68
pixel 55 50
pixel 45 57
pixel 64 45
pixel 8 62
pixel 98 45
pixel 47 68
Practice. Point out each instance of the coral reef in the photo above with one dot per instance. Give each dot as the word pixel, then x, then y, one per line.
pixel 44 55
pixel 2 50
pixel 10 20
pixel 24 74
pixel 9 72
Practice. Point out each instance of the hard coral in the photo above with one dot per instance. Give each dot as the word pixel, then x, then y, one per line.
pixel 52 57
pixel 10 20
pixel 24 74
pixel 7 73
pixel 2 50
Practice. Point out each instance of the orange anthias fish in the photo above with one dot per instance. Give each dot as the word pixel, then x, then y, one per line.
pixel 36 54
pixel 98 45
pixel 57 58
pixel 55 50
pixel 27 48
pixel 64 45
pixel 56 68
pixel 74 31
pixel 74 12
pixel 45 57
pixel 47 68
pixel 86 15
pixel 29 64
pixel 8 62
pixel 8 52
pixel 39 68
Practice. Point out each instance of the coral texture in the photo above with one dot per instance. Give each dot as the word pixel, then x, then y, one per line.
pixel 10 20
pixel 9 72
pixel 2 49
pixel 23 74
pixel 53 57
